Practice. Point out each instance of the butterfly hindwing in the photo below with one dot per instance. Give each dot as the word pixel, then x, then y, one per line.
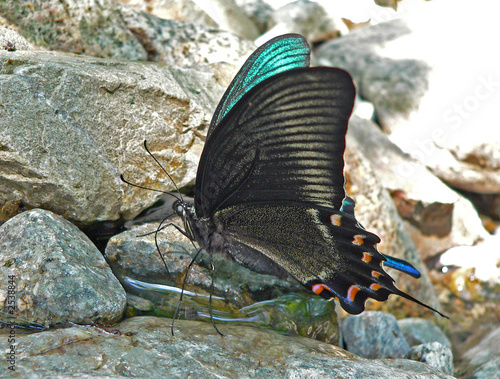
pixel 324 249
pixel 284 142
pixel 279 54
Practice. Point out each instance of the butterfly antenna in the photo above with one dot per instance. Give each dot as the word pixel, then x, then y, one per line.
pixel 176 313
pixel 122 178
pixel 164 170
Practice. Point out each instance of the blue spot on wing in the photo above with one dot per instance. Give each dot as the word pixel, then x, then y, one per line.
pixel 347 205
pixel 401 265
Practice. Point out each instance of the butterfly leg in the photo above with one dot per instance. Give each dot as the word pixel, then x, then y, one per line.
pixel 212 275
pixel 161 227
pixel 176 313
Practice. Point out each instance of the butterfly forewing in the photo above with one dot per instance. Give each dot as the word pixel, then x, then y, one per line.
pixel 283 143
pixel 277 55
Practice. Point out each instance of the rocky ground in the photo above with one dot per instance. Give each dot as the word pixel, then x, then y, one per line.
pixel 82 85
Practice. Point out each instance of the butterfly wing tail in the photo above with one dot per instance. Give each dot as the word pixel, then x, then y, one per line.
pixel 409 297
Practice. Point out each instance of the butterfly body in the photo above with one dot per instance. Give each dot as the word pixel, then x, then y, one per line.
pixel 269 190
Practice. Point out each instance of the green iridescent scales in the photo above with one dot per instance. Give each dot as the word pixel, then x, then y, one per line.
pixel 277 55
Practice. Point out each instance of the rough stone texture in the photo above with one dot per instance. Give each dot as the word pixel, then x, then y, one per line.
pixel 436 104
pixel 185 44
pixel 489 370
pixel 436 217
pixel 229 17
pixel 304 17
pixel 258 11
pixel 378 214
pixel 180 10
pixel 93 27
pixel 59 274
pixel 143 347
pixel 12 41
pixel 418 331
pixel 374 335
pixel 71 125
pixel 133 253
pixel 357 51
pixel 484 358
pixel 108 29
pixel 434 354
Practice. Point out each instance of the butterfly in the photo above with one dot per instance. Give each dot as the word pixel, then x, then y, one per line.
pixel 269 190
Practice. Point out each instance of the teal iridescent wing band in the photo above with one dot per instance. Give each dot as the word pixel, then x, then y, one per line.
pixel 277 55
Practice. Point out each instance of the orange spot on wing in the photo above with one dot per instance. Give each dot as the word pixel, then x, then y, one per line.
pixel 352 291
pixel 318 288
pixel 336 220
pixel 376 274
pixel 358 239
pixel 375 287
pixel 367 257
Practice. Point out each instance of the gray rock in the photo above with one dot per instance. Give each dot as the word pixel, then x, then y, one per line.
pixel 488 370
pixel 59 274
pixel 143 347
pixel 377 212
pixel 184 44
pixel 94 27
pixel 418 331
pixel 216 14
pixel 374 335
pixel 259 11
pixel 304 17
pixel 484 358
pixel 436 217
pixel 108 29
pixel 180 10
pixel 357 51
pixel 394 86
pixel 230 17
pixel 73 124
pixel 133 254
pixel 443 122
pixel 434 354
pixel 12 41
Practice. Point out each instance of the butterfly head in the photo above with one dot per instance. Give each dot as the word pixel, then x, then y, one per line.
pixel 185 210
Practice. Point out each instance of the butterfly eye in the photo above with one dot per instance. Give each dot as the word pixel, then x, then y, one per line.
pixel 179 210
